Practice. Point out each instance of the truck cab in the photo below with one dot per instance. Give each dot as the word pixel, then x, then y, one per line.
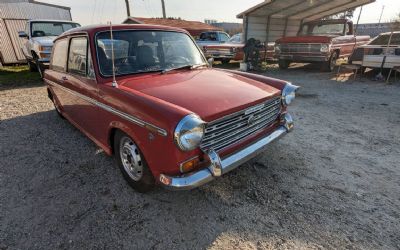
pixel 322 42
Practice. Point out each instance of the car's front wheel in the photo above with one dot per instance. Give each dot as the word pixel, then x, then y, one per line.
pixel 132 163
pixel 32 66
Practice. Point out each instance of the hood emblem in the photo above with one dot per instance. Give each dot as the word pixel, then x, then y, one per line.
pixel 251 120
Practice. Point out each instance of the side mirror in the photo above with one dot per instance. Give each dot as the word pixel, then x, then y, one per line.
pixel 22 34
pixel 210 61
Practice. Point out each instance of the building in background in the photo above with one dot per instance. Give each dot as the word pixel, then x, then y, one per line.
pixel 373 29
pixel 13 16
pixel 210 21
pixel 230 28
pixel 195 28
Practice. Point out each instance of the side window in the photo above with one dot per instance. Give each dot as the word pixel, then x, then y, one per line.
pixel 59 58
pixel 77 56
pixel 223 37
pixel 348 29
pixel 91 74
pixel 212 36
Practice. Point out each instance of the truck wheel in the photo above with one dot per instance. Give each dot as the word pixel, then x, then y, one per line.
pixel 32 66
pixel 225 61
pixel 39 67
pixel 132 163
pixel 283 64
pixel 330 65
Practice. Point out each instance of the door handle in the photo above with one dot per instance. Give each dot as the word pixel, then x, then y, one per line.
pixel 64 78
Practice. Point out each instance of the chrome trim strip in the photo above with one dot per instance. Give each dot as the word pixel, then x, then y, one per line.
pixel 110 109
pixel 201 177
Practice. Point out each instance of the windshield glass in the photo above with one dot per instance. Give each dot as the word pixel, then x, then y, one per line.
pixel 236 39
pixel 323 29
pixel 51 29
pixel 384 40
pixel 146 51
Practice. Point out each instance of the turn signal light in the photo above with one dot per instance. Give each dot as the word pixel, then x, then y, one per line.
pixel 189 165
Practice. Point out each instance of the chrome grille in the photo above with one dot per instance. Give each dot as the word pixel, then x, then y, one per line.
pixel 235 127
pixel 300 48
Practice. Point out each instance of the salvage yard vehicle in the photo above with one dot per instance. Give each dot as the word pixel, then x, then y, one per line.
pixel 319 42
pixel 233 50
pixel 159 108
pixel 382 52
pixel 40 35
pixel 212 37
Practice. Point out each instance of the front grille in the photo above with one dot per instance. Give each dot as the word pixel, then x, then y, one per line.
pixel 300 48
pixel 235 127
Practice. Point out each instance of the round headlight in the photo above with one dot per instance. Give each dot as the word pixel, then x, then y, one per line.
pixel 324 48
pixel 289 94
pixel 189 132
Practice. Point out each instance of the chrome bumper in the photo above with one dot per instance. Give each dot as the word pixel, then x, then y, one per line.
pixel 219 166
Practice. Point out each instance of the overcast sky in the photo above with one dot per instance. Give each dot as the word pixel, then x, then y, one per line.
pixel 101 11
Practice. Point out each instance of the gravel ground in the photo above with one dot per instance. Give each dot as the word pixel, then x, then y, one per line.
pixel 332 183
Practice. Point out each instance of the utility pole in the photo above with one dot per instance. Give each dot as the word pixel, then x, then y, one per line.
pixel 163 9
pixel 380 18
pixel 128 11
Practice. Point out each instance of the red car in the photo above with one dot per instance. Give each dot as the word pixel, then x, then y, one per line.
pixel 167 117
pixel 233 50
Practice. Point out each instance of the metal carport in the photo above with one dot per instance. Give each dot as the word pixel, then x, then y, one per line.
pixel 273 19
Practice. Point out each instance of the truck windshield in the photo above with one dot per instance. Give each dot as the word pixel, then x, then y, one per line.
pixel 146 51
pixel 323 29
pixel 51 29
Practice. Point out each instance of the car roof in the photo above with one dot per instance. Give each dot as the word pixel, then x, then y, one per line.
pixel 102 27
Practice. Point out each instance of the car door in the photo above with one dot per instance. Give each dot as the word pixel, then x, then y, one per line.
pixel 82 83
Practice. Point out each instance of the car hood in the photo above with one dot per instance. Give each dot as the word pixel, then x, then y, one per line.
pixel 307 39
pixel 209 93
pixel 44 40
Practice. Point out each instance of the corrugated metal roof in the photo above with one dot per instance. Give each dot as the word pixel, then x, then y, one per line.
pixel 306 10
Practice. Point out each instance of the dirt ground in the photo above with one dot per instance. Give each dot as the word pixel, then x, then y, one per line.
pixel 332 183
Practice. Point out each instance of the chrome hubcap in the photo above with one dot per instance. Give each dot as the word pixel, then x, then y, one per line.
pixel 130 157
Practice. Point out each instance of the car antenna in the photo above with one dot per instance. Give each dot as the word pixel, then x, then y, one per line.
pixel 114 82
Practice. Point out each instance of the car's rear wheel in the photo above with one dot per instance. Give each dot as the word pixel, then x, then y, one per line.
pixel 132 163
pixel 283 64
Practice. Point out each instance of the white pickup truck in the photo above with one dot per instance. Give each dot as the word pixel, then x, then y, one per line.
pixel 39 35
pixel 212 38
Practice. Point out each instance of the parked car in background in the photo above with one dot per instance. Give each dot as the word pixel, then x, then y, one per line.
pixel 233 50
pixel 39 36
pixel 319 42
pixel 381 52
pixel 212 37
pixel 159 118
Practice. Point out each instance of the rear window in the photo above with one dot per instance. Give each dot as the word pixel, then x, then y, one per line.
pixel 59 57
pixel 384 39
pixel 209 36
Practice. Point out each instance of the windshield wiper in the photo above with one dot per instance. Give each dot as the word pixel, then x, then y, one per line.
pixel 190 66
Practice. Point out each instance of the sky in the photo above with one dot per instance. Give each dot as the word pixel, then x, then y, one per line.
pixel 101 11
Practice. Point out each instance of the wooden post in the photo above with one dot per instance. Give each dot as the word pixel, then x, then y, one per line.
pixel 163 9
pixel 128 11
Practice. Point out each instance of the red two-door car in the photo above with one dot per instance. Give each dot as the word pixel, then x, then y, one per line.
pixel 169 118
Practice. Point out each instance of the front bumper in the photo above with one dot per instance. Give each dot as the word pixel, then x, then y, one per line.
pixel 304 58
pixel 219 166
pixel 219 55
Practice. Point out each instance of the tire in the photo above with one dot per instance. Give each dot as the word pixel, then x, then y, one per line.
pixel 225 61
pixel 39 67
pixel 283 64
pixel 132 163
pixel 32 66
pixel 330 65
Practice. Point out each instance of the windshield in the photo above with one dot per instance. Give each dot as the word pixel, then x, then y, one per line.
pixel 236 39
pixel 323 29
pixel 51 29
pixel 384 40
pixel 146 51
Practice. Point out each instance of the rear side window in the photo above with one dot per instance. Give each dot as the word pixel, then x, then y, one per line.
pixel 59 57
pixel 77 56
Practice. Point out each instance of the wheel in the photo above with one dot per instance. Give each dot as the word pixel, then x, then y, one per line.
pixel 225 60
pixel 39 67
pixel 283 64
pixel 32 66
pixel 132 163
pixel 330 65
